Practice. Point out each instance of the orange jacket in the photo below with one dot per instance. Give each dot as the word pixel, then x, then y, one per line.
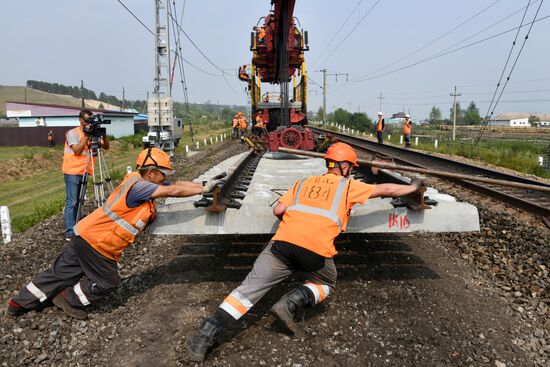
pixel 235 122
pixel 114 226
pixel 242 123
pixel 74 164
pixel 407 128
pixel 261 33
pixel 316 215
pixel 380 125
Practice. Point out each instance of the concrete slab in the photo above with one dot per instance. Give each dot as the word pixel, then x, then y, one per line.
pixel 274 175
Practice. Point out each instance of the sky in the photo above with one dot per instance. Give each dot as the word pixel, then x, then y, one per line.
pixel 385 50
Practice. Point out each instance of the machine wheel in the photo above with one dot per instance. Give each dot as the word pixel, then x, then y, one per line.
pixel 291 138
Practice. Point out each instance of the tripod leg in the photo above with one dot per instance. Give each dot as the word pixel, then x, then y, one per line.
pixel 83 186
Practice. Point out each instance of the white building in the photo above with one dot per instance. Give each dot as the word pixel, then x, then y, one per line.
pixel 39 114
pixel 511 120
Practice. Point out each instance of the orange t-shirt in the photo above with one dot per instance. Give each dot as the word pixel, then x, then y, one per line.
pixel 317 232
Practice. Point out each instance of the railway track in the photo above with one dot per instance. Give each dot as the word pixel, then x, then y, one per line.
pixel 532 201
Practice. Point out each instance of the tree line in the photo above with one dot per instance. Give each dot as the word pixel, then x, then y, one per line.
pixel 195 112
pixel 353 120
pixel 469 116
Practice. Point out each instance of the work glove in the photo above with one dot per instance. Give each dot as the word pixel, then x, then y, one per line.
pixel 418 182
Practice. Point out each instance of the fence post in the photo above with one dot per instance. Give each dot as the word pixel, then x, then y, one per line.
pixel 187 149
pixel 435 143
pixel 198 147
pixel 204 142
pixel 416 140
pixel 400 139
pixel 6 225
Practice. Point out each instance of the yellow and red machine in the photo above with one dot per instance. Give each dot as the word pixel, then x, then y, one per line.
pixel 278 46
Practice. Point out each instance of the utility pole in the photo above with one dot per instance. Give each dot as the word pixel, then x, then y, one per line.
pixel 454 95
pixel 325 74
pixel 123 99
pixel 25 94
pixel 82 92
pixel 380 97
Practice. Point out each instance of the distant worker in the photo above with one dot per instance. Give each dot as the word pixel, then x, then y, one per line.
pixel 313 213
pixel 407 130
pixel 266 97
pixel 243 124
pixel 87 269
pixel 260 33
pixel 259 127
pixel 243 75
pixel 380 127
pixel 51 139
pixel 235 127
pixel 76 151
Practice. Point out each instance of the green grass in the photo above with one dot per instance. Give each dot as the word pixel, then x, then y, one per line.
pixel 519 155
pixel 34 198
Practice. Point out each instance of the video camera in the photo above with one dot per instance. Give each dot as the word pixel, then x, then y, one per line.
pixel 94 129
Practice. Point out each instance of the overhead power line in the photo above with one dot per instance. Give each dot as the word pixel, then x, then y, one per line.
pixel 438 55
pixel 351 31
pixel 437 38
pixel 337 32
pixel 456 43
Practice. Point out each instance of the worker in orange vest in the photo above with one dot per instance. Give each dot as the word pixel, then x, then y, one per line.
pixel 243 124
pixel 407 130
pixel 243 75
pixel 76 157
pixel 260 31
pixel 235 127
pixel 380 127
pixel 259 127
pixel 313 213
pixel 87 269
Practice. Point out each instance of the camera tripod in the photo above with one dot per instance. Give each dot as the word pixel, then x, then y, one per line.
pixel 100 177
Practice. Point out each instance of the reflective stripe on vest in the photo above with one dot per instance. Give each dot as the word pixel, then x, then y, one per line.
pixel 331 214
pixel 115 217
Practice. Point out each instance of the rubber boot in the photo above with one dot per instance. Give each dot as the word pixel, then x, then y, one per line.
pixel 198 345
pixel 287 308
pixel 74 312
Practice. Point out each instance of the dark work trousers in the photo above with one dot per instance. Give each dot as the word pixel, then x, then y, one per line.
pixel 83 273
pixel 379 137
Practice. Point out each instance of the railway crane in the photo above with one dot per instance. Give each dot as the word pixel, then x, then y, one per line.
pixel 278 45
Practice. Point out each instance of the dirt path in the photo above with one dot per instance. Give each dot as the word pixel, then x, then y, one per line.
pixel 412 300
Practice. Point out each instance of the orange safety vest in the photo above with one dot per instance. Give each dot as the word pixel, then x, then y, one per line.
pixel 113 226
pixel 407 128
pixel 261 33
pixel 235 123
pixel 74 164
pixel 242 123
pixel 317 215
pixel 380 126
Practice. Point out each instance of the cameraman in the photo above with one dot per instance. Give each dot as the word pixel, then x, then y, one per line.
pixel 75 154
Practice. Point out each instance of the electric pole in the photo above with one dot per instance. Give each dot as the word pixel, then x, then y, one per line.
pixel 454 95
pixel 380 97
pixel 325 74
pixel 82 92
pixel 123 98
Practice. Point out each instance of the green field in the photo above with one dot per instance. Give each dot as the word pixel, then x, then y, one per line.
pixel 35 197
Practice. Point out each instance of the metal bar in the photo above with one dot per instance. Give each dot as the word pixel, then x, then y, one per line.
pixel 222 196
pixel 427 171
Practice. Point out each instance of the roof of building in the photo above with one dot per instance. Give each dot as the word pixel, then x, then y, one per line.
pixel 521 115
pixel 398 115
pixel 43 109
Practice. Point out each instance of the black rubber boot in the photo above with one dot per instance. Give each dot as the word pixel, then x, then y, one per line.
pixel 198 345
pixel 287 308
